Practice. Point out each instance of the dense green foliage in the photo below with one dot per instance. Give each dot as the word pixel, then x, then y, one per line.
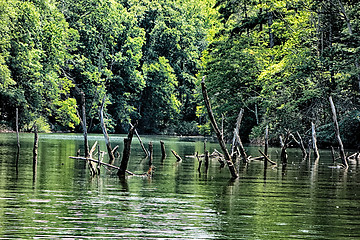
pixel 279 60
pixel 142 55
pixel 284 59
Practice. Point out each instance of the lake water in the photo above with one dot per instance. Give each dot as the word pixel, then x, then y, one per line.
pixel 61 200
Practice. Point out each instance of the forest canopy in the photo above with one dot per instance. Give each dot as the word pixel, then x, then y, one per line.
pixel 279 60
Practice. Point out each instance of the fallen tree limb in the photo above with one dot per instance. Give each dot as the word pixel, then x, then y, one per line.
pixel 267 158
pixel 178 158
pixel 105 164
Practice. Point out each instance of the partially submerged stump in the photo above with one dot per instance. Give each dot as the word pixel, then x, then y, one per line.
pixel 126 152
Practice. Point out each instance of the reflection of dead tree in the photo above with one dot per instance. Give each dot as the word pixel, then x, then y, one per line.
pixel 219 136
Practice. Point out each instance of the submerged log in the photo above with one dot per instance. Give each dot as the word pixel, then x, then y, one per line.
pixel 106 136
pixel 126 152
pixel 178 158
pixel 337 133
pixel 219 136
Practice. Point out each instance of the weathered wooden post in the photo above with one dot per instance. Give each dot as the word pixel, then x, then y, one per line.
pixel 219 136
pixel 337 132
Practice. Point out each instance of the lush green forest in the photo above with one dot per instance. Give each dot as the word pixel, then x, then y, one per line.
pixel 279 60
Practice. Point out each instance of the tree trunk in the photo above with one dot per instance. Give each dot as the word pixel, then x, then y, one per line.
pixel 126 152
pixel 219 136
pixel 83 124
pixel 177 156
pixel 163 152
pixel 266 144
pixel 151 153
pixel 237 128
pixel 206 162
pixel 17 129
pixel 314 142
pixel 337 132
pixel 141 143
pixel 106 136
pixel 241 148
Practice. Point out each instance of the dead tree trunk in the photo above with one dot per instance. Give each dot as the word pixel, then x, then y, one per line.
pixel 206 162
pixel 236 131
pixel 83 124
pixel 17 129
pixel 36 144
pixel 241 148
pixel 219 136
pixel 267 159
pixel 106 136
pixel 178 158
pixel 151 152
pixel 314 142
pixel 199 161
pixel 266 144
pixel 163 152
pixel 126 152
pixel 141 143
pixel 284 145
pixel 337 132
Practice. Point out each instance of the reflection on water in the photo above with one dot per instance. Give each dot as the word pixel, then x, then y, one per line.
pixel 304 201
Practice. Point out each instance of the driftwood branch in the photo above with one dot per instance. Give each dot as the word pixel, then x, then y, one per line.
pixel 219 136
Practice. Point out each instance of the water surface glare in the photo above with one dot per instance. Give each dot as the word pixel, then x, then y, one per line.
pixel 306 200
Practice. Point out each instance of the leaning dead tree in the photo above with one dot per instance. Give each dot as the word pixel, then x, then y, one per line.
pixel 236 142
pixel 83 124
pixel 337 133
pixel 314 142
pixel 106 136
pixel 126 152
pixel 141 143
pixel 219 136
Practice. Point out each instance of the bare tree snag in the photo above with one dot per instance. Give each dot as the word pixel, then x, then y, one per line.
pixel 314 142
pixel 36 144
pixel 178 158
pixel 92 166
pixel 236 131
pixel 302 146
pixel 219 136
pixel 199 161
pixel 284 145
pixel 83 124
pixel 106 136
pixel 141 143
pixel 333 154
pixel 266 144
pixel 206 162
pixel 17 129
pixel 151 153
pixel 163 152
pixel 241 147
pixel 126 152
pixel 337 132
